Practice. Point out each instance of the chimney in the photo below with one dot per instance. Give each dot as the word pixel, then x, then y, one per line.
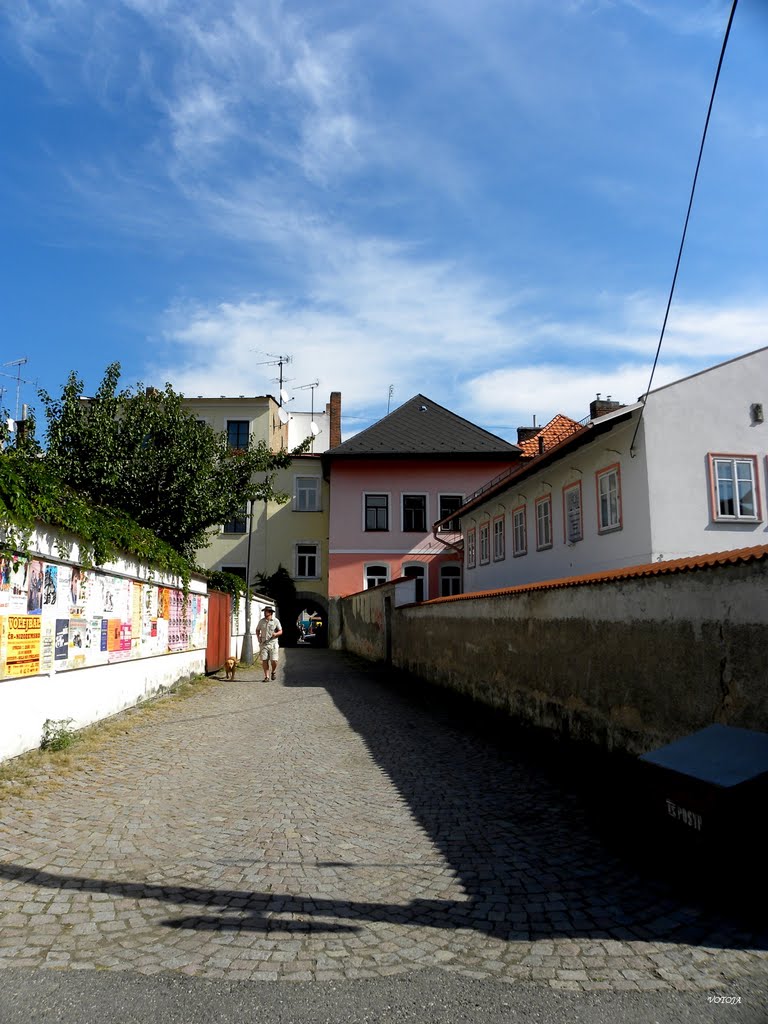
pixel 601 406
pixel 523 433
pixel 334 418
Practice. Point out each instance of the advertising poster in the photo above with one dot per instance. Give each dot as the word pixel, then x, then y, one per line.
pixel 50 587
pixel 61 640
pixel 78 642
pixel 178 632
pixel 3 640
pixel 47 641
pixel 81 592
pixel 35 583
pixel 18 584
pixel 137 616
pixel 22 645
pixel 62 595
pixel 6 572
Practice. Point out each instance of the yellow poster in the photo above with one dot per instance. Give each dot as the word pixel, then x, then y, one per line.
pixel 22 646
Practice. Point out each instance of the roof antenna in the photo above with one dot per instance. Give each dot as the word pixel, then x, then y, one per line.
pixel 389 399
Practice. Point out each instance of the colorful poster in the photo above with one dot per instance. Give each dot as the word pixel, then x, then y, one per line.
pixel 22 645
pixel 78 642
pixel 36 578
pixel 19 584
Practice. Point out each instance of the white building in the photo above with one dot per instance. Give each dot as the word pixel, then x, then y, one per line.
pixel 681 475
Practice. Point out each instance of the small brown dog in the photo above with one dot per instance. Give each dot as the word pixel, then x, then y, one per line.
pixel 229 667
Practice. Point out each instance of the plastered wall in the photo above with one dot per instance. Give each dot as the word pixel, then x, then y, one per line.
pixel 626 665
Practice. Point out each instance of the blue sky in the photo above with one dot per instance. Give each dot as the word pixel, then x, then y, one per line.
pixel 481 201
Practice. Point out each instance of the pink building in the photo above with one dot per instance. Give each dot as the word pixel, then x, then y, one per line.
pixel 390 483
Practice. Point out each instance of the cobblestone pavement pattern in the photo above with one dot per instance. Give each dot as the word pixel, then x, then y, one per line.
pixel 324 827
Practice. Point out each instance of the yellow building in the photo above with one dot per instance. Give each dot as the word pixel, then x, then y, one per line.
pixel 294 534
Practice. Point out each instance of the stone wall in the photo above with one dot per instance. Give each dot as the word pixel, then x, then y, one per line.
pixel 626 664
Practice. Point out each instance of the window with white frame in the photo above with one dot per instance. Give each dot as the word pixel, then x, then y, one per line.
pixel 448 503
pixel 484 536
pixel 307 494
pixel 416 572
pixel 733 485
pixel 376 512
pixel 471 548
pixel 450 580
pixel 573 525
pixel 519 532
pixel 544 522
pixel 375 575
pixel 609 499
pixel 307 561
pixel 414 513
pixel 498 539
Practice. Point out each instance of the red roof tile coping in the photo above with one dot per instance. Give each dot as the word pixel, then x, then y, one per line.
pixel 739 556
pixel 558 428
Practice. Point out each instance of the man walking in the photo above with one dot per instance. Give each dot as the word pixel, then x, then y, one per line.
pixel 267 632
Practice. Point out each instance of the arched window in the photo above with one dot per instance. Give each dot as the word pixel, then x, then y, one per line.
pixel 375 575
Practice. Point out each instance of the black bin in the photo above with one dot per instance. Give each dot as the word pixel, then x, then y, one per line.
pixel 702 803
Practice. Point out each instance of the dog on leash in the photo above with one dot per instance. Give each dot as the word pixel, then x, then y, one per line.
pixel 229 667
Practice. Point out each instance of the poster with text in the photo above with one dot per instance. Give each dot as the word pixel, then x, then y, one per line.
pixel 22 645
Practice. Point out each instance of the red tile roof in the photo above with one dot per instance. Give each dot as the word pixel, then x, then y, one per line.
pixel 558 428
pixel 739 556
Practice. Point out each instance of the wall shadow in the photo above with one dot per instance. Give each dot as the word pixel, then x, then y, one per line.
pixel 533 828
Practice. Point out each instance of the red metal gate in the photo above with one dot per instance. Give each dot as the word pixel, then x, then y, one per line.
pixel 219 620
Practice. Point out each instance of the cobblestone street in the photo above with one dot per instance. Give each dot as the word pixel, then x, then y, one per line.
pixel 324 827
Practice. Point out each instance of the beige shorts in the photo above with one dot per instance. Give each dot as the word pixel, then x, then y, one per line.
pixel 269 651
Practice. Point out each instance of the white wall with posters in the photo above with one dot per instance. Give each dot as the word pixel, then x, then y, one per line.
pixel 83 644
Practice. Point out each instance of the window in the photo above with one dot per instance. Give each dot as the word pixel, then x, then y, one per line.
pixel 375 575
pixel 307 561
pixel 608 499
pixel 485 544
pixel 234 570
pixel 449 503
pixel 239 523
pixel 416 572
pixel 544 522
pixel 377 512
pixel 498 539
pixel 732 482
pixel 471 550
pixel 414 513
pixel 572 521
pixel 519 532
pixel 450 580
pixel 237 433
pixel 307 497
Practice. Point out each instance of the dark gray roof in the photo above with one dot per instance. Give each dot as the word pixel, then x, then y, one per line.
pixel 422 427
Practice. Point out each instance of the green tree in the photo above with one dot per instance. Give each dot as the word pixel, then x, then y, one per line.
pixel 141 451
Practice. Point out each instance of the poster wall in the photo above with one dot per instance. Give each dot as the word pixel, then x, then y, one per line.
pixel 55 617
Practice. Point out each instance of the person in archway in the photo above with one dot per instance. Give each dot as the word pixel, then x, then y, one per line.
pixel 268 630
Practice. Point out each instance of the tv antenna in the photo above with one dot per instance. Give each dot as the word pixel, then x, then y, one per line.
pixel 18 363
pixel 312 425
pixel 389 397
pixel 278 361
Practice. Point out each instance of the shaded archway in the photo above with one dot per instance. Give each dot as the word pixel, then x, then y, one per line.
pixel 310 616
